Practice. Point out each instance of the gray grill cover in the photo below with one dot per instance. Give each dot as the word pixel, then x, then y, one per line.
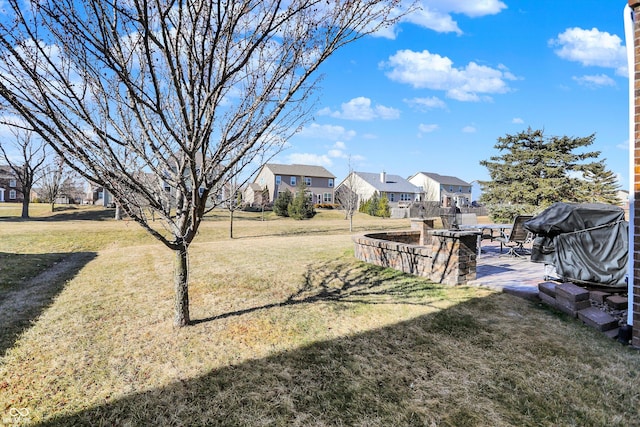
pixel 586 243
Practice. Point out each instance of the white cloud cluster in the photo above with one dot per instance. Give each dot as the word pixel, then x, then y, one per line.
pixel 426 128
pixel 591 48
pixel 424 104
pixel 427 70
pixel 595 81
pixel 436 15
pixel 361 109
pixel 331 132
pixel 337 151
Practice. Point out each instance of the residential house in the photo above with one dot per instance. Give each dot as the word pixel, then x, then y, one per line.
pixel 253 195
pixel 447 190
pixel 9 186
pixel 278 178
pixel 399 191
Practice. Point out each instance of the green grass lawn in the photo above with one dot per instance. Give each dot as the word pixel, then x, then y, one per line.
pixel 289 330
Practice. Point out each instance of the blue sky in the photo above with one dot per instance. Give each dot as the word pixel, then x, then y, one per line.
pixel 435 92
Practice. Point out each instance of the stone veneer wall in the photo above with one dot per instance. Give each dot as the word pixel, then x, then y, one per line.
pixel 448 257
pixel 635 5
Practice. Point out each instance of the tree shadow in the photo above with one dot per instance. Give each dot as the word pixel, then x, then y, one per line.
pixel 430 370
pixel 67 213
pixel 21 304
pixel 351 283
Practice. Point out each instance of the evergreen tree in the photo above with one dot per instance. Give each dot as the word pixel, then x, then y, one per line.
pixel 301 206
pixel 384 210
pixel 374 201
pixel 602 185
pixel 281 204
pixel 535 171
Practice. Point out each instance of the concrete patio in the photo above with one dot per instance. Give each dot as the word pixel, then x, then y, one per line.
pixel 498 271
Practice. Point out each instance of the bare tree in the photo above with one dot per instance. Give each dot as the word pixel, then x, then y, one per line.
pixel 189 90
pixel 55 175
pixel 29 155
pixel 347 196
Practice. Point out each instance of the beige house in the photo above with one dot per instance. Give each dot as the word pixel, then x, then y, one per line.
pixel 444 189
pixel 278 178
pixel 398 190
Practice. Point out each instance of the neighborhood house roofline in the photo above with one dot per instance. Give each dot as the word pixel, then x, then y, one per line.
pixel 392 184
pixel 444 179
pixel 299 170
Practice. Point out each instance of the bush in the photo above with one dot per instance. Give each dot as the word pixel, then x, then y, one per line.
pixel 282 202
pixel 301 206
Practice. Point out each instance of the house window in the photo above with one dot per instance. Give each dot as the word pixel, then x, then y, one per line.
pixel 12 183
pixel 392 197
pixel 327 198
pixel 460 189
pixel 307 182
pixel 12 194
pixel 451 188
pixel 405 197
pixel 330 182
pixel 278 179
pixel 293 180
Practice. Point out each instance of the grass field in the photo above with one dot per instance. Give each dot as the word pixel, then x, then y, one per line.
pixel 289 330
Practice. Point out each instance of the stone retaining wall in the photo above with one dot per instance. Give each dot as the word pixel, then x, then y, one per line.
pixel 447 256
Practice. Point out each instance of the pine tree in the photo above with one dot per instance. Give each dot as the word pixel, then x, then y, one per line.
pixel 301 206
pixel 384 210
pixel 534 171
pixel 602 185
pixel 281 204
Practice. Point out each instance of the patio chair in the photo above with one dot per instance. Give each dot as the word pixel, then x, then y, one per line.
pixel 517 238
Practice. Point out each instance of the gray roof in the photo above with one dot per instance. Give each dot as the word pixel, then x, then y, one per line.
pixel 299 170
pixel 445 179
pixel 392 184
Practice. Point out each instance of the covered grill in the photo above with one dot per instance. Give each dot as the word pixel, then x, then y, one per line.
pixel 585 243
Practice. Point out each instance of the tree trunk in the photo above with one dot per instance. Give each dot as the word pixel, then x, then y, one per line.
pixel 231 224
pixel 53 206
pixel 118 215
pixel 25 209
pixel 181 288
pixel 351 223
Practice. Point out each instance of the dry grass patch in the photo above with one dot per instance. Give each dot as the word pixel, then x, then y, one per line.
pixel 291 330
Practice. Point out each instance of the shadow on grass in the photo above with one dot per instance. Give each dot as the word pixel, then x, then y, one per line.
pixel 455 367
pixel 67 213
pixel 353 283
pixel 23 301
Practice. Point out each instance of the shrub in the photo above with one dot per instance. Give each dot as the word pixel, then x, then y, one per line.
pixel 301 207
pixel 282 202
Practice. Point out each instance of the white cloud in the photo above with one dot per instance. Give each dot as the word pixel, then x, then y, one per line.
pixel 436 15
pixel 469 129
pixel 332 132
pixel 595 81
pixel 360 108
pixel 424 104
pixel 517 120
pixel 432 71
pixel 591 48
pixel 309 159
pixel 424 128
pixel 336 151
